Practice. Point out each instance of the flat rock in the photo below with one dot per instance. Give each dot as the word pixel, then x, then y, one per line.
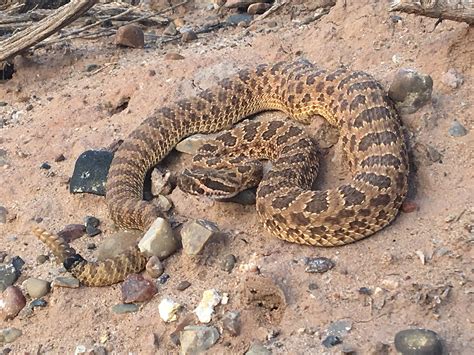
pixel 72 232
pixel 318 265
pixel 196 339
pixel 189 36
pixel 235 19
pixel 117 244
pixel 418 342
pixel 125 308
pixel 410 90
pixel 8 276
pixel 68 282
pixel 258 8
pixel 136 288
pixel 90 172
pixel 331 340
pixel 195 234
pixel 9 335
pixel 36 288
pixel 258 349
pixel 457 129
pixel 158 240
pixel 12 302
pixel 232 323
pixel 130 36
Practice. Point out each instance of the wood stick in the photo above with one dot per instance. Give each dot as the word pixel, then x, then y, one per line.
pixel 28 37
pixel 456 10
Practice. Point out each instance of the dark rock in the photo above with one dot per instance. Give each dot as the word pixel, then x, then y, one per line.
pixel 183 285
pixel 59 158
pixel 197 339
pixel 125 308
pixel 72 232
pixel 318 265
pixel 231 322
pixel 235 19
pixel 418 342
pixel 312 286
pixel 130 36
pixel 92 231
pixel 136 288
pixel 8 276
pixel 91 67
pixel 90 172
pixel 40 302
pixel 91 221
pixel 91 246
pixel 228 263
pixel 409 206
pixel 163 278
pixel 12 302
pixel 45 166
pixel 410 90
pixel 365 291
pixel 331 340
pixel 189 36
pixel 68 282
pixel 457 129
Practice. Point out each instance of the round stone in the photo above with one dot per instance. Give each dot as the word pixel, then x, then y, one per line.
pixel 36 288
pixel 418 342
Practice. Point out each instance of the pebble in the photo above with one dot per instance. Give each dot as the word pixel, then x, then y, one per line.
pixel 409 206
pixel 17 263
pixel 163 203
pixel 228 262
pixel 158 240
pixel 36 288
pixel 191 144
pixel 161 183
pixel 3 215
pixel 173 56
pixel 236 19
pixel 340 328
pixel 189 36
pixel 91 246
pixel 318 265
pixel 125 308
pixel 258 8
pixel 170 30
pixel 92 231
pixel 9 335
pixel 117 244
pixel 90 172
pixel 452 78
pixel 183 285
pixel 12 302
pixel 136 288
pixel 163 278
pixel 232 323
pixel 205 308
pixel 91 67
pixel 331 340
pixel 45 166
pixel 258 349
pixel 410 90
pixel 168 309
pixel 130 36
pixel 195 234
pixel 457 129
pixel 91 221
pixel 197 339
pixel 154 267
pixel 59 158
pixel 418 342
pixel 241 4
pixel 68 282
pixel 8 276
pixel 40 302
pixel 72 232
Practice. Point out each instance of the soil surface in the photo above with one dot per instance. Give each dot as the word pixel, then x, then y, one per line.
pixel 417 272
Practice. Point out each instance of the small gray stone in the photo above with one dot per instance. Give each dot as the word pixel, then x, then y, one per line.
pixel 8 276
pixel 257 349
pixel 318 265
pixel 457 129
pixel 90 172
pixel 331 340
pixel 9 335
pixel 195 234
pixel 125 308
pixel 36 288
pixel 117 244
pixel 228 263
pixel 183 285
pixel 91 67
pixel 196 339
pixel 189 36
pixel 68 282
pixel 418 342
pixel 154 267
pixel 12 302
pixel 158 240
pixel 232 323
pixel 92 231
pixel 170 30
pixel 91 221
pixel 41 259
pixel 72 232
pixel 410 90
pixel 235 19
pixel 340 328
pixel 3 215
pixel 40 302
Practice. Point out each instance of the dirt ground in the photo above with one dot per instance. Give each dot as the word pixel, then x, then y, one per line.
pixel 69 112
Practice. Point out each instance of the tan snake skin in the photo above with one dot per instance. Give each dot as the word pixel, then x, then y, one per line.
pixel 370 132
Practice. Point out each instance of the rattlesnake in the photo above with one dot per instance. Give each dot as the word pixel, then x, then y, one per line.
pixel 353 101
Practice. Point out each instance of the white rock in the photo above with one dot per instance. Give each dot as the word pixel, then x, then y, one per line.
pixel 168 309
pixel 210 299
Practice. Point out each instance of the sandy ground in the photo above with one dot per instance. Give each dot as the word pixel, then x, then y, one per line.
pixel 70 113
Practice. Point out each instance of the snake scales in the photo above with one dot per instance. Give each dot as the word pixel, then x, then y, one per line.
pixel 353 101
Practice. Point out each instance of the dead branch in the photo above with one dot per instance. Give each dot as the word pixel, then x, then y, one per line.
pixel 28 37
pixel 456 10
